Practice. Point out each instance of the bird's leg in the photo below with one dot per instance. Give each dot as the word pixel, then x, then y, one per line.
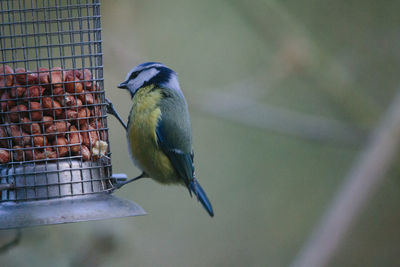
pixel 111 110
pixel 121 184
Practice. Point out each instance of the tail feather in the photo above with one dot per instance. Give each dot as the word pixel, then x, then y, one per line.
pixel 201 196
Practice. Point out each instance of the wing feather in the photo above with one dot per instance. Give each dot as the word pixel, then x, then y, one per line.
pixel 174 135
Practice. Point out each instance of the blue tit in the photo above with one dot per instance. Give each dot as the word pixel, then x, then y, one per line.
pixel 159 131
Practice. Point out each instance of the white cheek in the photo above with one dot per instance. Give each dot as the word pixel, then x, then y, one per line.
pixel 143 77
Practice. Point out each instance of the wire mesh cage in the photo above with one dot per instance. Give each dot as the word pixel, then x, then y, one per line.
pixel 53 120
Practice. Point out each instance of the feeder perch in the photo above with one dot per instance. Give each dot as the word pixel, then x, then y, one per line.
pixel 55 160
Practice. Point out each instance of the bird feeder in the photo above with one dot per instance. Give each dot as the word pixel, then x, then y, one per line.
pixel 55 160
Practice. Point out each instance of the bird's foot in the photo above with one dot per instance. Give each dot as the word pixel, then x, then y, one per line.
pixel 120 184
pixel 111 110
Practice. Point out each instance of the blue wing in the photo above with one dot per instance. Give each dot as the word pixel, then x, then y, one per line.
pixel 175 140
pixel 181 161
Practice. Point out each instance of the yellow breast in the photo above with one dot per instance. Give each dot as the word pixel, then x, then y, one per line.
pixel 142 137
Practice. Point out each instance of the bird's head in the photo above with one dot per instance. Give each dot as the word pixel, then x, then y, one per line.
pixel 150 73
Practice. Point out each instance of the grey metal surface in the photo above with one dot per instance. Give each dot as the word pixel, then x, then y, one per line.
pixel 66 210
pixel 53 180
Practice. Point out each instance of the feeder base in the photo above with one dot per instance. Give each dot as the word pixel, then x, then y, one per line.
pixel 66 210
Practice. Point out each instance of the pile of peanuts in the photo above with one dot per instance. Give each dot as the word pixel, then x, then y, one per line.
pixel 50 114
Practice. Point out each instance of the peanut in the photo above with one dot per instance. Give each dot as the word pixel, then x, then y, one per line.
pixel 94 87
pixel 6 102
pixel 6 76
pixel 85 152
pixel 28 153
pixel 44 76
pixel 50 153
pixel 35 110
pixel 83 114
pixel 86 75
pixel 34 92
pixel 70 75
pixel 4 156
pixel 62 148
pixel 40 140
pixel 99 149
pixel 3 137
pixel 90 136
pixel 58 91
pixel 34 154
pixel 56 76
pixel 29 127
pixel 59 95
pixel 86 98
pixel 47 121
pixel 78 102
pixel 97 111
pixel 18 112
pixel 51 106
pixel 58 128
pixel 18 153
pixel 17 92
pixel 47 102
pixel 25 76
pixel 70 100
pixel 71 114
pixel 96 124
pixel 74 86
pixel 39 155
pixel 20 137
pixel 75 138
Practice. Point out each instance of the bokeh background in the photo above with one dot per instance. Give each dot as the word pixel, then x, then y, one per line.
pixel 282 96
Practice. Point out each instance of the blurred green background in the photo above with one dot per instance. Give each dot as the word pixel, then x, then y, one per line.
pixel 282 95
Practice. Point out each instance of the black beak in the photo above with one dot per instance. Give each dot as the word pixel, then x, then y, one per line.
pixel 123 85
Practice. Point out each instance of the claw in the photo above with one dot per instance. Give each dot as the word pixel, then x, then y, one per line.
pixel 121 183
pixel 111 110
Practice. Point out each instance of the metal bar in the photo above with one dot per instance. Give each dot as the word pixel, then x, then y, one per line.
pixel 63 170
pixel 48 33
pixel 49 20
pixel 46 58
pixel 52 45
pixel 49 8
pixel 6 186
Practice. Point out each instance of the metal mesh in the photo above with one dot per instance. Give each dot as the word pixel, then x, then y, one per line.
pixel 53 132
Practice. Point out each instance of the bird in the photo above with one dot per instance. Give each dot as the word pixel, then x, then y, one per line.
pixel 159 130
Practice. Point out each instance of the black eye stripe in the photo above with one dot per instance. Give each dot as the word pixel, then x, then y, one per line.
pixel 134 75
